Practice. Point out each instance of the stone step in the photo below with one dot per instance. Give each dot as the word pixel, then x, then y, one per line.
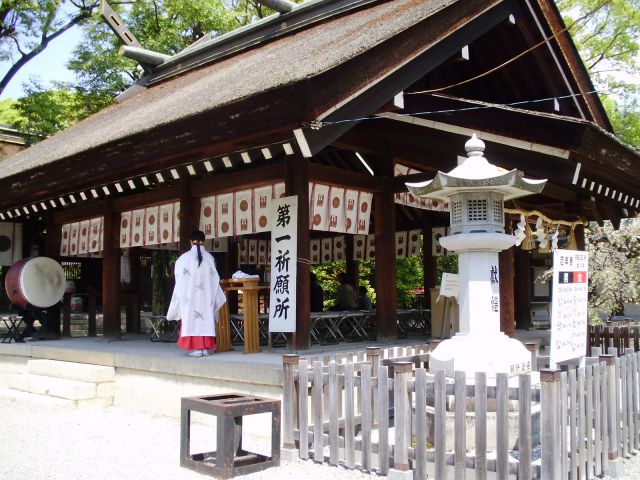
pixel 8 395
pixel 82 372
pixel 60 387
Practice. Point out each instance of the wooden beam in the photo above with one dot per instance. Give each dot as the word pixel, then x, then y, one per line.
pixel 346 178
pixel 522 288
pixel 446 41
pixel 246 178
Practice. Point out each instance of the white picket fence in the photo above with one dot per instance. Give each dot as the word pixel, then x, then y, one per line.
pixel 383 410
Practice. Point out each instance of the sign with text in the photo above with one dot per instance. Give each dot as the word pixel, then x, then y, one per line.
pixel 569 305
pixel 284 254
pixel 450 285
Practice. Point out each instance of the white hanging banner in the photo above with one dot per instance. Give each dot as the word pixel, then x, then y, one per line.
pixel 208 216
pixel 351 211
pixel 11 243
pixel 336 210
pixel 83 240
pixel 243 252
pixel 371 247
pixel 284 254
pixel 319 206
pixel 137 227
pixel 243 221
pixel 262 206
pixel 176 221
pixel 95 235
pixel 166 223
pixel 359 247
pixel 252 256
pixel 73 242
pixel 327 250
pixel 569 305
pixel 262 252
pixel 314 246
pixel 436 234
pixel 339 249
pixel 219 244
pixel 64 240
pixel 413 247
pixel 224 212
pixel 364 211
pixel 278 190
pixel 125 229
pixel 151 236
pixel 401 244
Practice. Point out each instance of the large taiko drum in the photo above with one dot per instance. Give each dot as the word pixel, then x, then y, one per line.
pixel 38 281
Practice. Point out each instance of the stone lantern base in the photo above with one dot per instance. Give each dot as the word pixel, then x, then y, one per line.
pixel 494 353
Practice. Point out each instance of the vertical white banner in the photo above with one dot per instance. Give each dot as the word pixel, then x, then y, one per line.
pixel 207 216
pixel 243 222
pixel 359 247
pixel 336 210
pixel 413 248
pixel 364 211
pixel 252 256
pixel 64 242
pixel 176 222
pixel 319 207
pixel 151 226
pixel 569 315
pixel 351 211
pixel 73 243
pixel 327 250
pixel 314 246
pixel 284 254
pixel 166 223
pixel 83 240
pixel 401 244
pixel 137 227
pixel 371 247
pixel 95 233
pixel 262 252
pixel 339 248
pixel 125 229
pixel 224 215
pixel 262 206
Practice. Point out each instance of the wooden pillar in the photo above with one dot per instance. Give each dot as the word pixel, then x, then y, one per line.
pixel 297 183
pixel 578 231
pixel 429 262
pixel 54 236
pixel 132 296
pixel 385 274
pixel 522 288
pixel 111 272
pixel 186 216
pixel 507 304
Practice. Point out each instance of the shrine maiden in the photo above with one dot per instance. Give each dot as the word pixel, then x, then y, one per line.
pixel 197 297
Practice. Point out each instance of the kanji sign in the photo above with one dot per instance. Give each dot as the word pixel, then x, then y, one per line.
pixel 284 253
pixel 569 305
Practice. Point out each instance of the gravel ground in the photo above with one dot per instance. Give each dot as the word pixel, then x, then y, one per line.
pixel 44 442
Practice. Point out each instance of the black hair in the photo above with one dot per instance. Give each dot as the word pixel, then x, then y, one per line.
pixel 197 237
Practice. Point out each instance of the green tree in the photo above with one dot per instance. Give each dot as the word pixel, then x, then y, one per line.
pixel 27 27
pixel 614 268
pixel 607 34
pixel 42 112
pixel 8 114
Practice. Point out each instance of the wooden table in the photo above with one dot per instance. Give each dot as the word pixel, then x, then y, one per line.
pixel 249 288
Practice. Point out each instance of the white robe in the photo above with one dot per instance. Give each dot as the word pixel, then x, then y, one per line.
pixel 197 295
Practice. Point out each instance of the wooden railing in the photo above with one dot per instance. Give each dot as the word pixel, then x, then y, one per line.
pixel 378 415
pixel 607 336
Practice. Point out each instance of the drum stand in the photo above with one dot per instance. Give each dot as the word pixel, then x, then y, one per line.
pixel 13 324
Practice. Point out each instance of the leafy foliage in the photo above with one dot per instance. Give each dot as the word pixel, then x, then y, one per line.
pixel 607 35
pixel 614 268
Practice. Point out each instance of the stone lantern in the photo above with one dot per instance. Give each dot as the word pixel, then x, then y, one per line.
pixel 476 191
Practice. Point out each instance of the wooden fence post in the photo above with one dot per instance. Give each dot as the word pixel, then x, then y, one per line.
pixel 373 357
pixel 402 416
pixel 614 466
pixel 289 407
pixel 550 438
pixel 533 348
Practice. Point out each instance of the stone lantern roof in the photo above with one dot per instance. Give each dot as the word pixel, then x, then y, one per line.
pixel 476 174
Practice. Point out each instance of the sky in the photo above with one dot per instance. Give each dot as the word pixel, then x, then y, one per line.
pixel 49 65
